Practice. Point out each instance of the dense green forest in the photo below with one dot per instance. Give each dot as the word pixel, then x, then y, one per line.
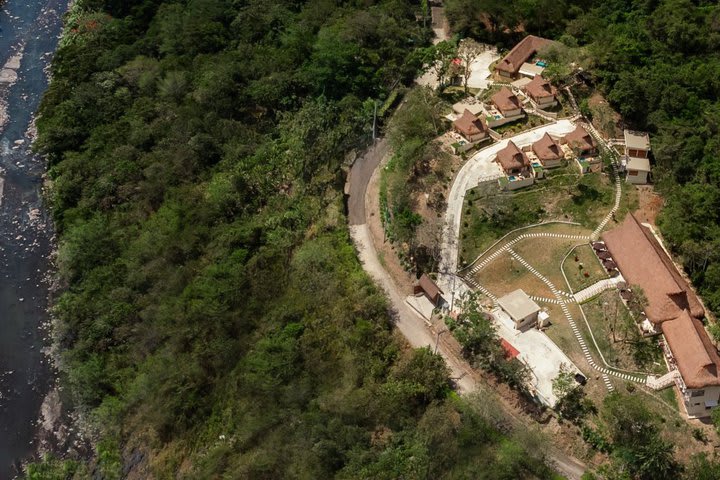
pixel 657 63
pixel 215 321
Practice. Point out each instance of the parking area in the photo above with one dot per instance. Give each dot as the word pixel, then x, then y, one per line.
pixel 480 69
pixel 536 351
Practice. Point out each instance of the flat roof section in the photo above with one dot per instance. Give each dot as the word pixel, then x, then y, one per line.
pixel 640 164
pixel 518 305
pixel 637 140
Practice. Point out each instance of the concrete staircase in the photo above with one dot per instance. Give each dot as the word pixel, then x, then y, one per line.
pixel 596 289
pixel 659 383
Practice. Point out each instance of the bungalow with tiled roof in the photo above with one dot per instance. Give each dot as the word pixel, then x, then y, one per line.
pixel 548 151
pixel 516 166
pixel 514 61
pixel 674 309
pixel 507 103
pixel 541 92
pixel 471 127
pixel 581 142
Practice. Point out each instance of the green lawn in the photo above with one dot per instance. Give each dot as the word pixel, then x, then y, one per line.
pixel 582 268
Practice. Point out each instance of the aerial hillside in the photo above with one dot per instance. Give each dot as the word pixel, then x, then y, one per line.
pixel 657 65
pixel 215 321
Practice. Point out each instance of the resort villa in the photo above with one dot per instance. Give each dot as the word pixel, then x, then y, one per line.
pixel 673 309
pixel 516 166
pixel 548 151
pixel 541 92
pixel 516 62
pixel 504 107
pixel 472 128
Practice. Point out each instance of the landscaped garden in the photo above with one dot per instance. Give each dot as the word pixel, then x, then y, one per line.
pixel 564 194
pixel 505 274
pixel 582 268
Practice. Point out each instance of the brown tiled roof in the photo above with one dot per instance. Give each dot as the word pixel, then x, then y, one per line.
pixel 604 255
pixel 521 53
pixel 512 157
pixel 469 124
pixel 430 288
pixel 696 357
pixel 505 99
pixel 580 138
pixel 670 300
pixel 539 87
pixel 547 149
pixel 609 265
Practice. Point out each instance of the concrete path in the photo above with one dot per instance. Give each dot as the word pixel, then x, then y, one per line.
pixel 597 288
pixel 410 323
pixel 481 167
pixel 480 69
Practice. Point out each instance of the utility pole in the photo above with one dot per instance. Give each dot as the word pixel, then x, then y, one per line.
pixel 437 341
pixel 452 296
pixel 374 118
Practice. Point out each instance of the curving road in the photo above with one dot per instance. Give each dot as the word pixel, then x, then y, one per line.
pixel 411 325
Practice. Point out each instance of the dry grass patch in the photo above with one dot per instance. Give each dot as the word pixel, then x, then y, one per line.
pixel 505 274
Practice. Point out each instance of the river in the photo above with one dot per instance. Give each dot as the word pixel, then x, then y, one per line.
pixel 29 31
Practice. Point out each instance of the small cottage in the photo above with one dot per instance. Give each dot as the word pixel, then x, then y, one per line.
pixel 521 308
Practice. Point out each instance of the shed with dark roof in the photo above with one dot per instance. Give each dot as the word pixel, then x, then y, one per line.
pixel 430 289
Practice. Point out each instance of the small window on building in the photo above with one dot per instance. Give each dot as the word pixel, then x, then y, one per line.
pixel 632 173
pixel 697 404
pixel 697 393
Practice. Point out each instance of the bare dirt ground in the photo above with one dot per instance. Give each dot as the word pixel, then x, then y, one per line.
pixel 650 204
pixel 385 249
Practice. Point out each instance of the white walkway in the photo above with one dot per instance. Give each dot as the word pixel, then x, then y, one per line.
pixel 482 167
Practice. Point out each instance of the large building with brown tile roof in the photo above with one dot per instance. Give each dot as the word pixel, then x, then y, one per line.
pixel 507 102
pixel 510 65
pixel 581 142
pixel 541 91
pixel 470 126
pixel 673 307
pixel 548 151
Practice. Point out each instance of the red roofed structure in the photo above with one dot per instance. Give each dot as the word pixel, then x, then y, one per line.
pixel 470 126
pixel 510 351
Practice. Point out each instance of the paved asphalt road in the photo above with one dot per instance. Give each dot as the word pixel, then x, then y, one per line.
pixel 360 174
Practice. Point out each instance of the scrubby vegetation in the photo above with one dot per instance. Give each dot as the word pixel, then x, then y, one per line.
pixel 215 320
